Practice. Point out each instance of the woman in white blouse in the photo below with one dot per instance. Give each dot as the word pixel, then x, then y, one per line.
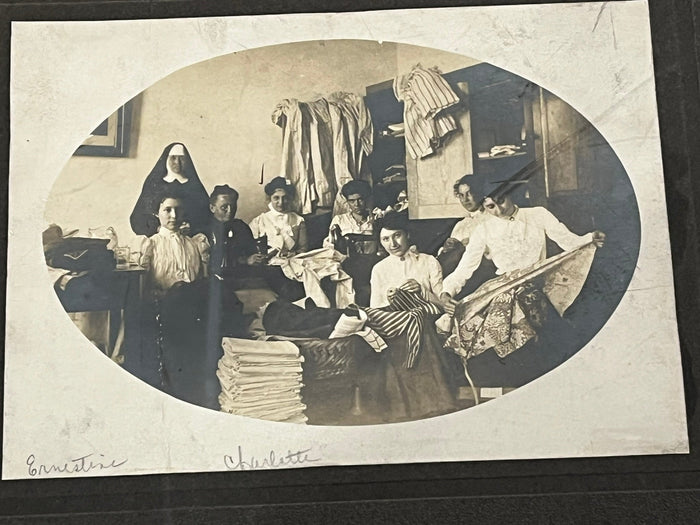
pixel 169 256
pixel 417 381
pixel 285 230
pixel 405 268
pixel 176 268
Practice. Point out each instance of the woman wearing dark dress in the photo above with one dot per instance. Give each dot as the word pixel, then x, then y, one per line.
pixel 174 169
pixel 233 248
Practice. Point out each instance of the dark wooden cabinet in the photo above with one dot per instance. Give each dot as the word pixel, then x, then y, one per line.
pixel 567 163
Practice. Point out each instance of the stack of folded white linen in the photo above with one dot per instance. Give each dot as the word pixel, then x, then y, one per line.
pixel 261 379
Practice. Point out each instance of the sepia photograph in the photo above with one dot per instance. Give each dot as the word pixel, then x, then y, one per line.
pixel 325 235
pixel 342 241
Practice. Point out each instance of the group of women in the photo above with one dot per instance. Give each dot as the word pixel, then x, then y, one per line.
pixel 191 234
pixel 198 255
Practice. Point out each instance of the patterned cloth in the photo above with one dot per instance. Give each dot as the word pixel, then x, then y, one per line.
pixel 508 311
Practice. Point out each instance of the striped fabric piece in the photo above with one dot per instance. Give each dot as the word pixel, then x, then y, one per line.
pixel 425 94
pixel 430 92
pixel 390 324
pixel 423 135
pixel 404 315
pixel 404 300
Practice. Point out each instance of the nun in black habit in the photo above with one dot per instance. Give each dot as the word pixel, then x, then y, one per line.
pixel 174 167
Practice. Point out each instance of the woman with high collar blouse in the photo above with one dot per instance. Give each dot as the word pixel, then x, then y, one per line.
pixel 285 230
pixel 405 267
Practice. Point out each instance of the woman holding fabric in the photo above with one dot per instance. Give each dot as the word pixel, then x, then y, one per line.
pixel 174 169
pixel 510 329
pixel 285 232
pixel 284 229
pixel 404 302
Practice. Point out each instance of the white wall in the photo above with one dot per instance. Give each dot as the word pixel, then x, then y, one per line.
pixel 221 110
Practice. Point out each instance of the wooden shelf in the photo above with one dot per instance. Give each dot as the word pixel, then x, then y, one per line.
pixel 522 153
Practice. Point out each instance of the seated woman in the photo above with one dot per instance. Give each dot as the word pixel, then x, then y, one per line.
pixel 404 298
pixel 233 248
pixel 176 267
pixel 405 268
pixel 512 327
pixel 284 229
pixel 358 220
pixel 174 169
pixel 285 232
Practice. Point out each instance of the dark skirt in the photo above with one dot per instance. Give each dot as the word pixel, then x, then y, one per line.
pixel 185 346
pixel 425 390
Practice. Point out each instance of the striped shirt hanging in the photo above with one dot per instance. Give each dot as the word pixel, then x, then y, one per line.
pixel 426 94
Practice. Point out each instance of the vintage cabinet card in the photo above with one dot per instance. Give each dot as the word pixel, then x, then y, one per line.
pixel 127 137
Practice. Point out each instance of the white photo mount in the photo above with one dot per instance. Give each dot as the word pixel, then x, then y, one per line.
pixel 69 411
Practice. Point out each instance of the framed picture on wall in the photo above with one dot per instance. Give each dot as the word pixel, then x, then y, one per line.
pixel 111 137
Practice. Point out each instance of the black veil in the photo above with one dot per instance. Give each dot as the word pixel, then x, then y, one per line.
pixel 143 220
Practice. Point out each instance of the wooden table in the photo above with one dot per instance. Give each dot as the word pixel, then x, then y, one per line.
pixel 117 292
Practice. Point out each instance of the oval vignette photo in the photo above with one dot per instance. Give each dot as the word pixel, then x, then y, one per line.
pixel 341 232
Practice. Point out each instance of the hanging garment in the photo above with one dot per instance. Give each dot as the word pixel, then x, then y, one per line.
pixel 353 139
pixel 324 145
pixel 294 121
pixel 360 132
pixel 341 153
pixel 425 94
pixel 321 148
